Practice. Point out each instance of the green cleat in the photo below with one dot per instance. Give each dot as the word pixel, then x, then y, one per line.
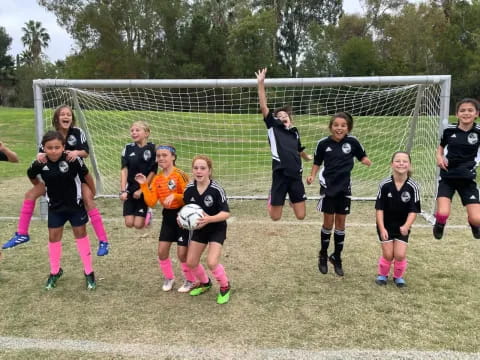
pixel 224 295
pixel 90 279
pixel 52 280
pixel 201 288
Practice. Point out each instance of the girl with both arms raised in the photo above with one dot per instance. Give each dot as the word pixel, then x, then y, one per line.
pixel 75 146
pixel 167 188
pixel 397 205
pixel 337 153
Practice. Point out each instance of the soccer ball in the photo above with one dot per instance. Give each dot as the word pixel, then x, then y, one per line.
pixel 188 216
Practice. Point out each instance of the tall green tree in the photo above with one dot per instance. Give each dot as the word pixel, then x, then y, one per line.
pixel 6 61
pixel 35 38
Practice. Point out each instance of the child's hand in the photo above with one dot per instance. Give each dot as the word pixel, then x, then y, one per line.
pixel 309 179
pixel 123 196
pixel 442 163
pixel 384 234
pixel 140 178
pixel 261 74
pixel 137 194
pixel 404 230
pixel 42 158
pixel 168 200
pixel 71 155
pixel 203 221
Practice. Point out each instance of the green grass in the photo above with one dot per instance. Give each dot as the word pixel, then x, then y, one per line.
pixel 279 299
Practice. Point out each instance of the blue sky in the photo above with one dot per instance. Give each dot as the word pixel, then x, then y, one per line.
pixel 14 14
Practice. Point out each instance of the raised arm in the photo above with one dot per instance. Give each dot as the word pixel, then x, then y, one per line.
pixel 262 97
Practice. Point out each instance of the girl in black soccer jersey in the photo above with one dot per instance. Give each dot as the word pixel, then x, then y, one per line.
pixel 76 146
pixel 287 152
pixel 62 178
pixel 337 153
pixel 211 229
pixel 458 156
pixel 138 157
pixel 397 205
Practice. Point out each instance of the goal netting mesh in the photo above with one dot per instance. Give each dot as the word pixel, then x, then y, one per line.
pixel 224 123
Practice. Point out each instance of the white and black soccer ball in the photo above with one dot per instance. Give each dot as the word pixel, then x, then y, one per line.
pixel 188 216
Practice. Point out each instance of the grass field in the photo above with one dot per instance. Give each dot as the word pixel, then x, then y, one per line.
pixel 281 306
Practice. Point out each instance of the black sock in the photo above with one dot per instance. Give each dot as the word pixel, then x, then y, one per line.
pixel 324 240
pixel 338 238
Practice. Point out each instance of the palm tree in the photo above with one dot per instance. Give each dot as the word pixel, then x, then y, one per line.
pixel 35 38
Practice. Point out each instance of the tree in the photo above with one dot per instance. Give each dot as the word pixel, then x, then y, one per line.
pixel 35 38
pixel 6 61
pixel 358 57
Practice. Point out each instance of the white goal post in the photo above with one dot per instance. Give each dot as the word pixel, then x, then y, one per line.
pixel 221 118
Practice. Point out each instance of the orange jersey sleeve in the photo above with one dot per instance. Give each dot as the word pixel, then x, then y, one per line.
pixel 163 186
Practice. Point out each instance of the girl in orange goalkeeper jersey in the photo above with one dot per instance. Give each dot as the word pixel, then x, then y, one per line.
pixel 167 188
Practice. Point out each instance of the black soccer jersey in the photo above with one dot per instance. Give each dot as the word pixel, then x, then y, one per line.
pixel 397 204
pixel 338 160
pixel 138 160
pixel 212 201
pixel 3 157
pixel 76 140
pixel 63 181
pixel 285 146
pixel 461 149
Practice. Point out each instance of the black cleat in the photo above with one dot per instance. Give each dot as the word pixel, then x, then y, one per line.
pixel 337 265
pixel 323 263
pixel 438 230
pixel 475 231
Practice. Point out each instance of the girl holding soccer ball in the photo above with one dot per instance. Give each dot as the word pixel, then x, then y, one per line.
pixel 397 205
pixel 211 230
pixel 336 152
pixel 167 188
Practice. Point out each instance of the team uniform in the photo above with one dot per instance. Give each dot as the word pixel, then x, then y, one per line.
pixel 161 187
pixel 75 140
pixel 462 151
pixel 334 176
pixel 63 181
pixel 396 205
pixel 3 157
pixel 212 201
pixel 137 160
pixel 287 169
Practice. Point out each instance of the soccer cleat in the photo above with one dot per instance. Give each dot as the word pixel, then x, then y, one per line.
pixel 90 279
pixel 17 239
pixel 148 218
pixel 168 284
pixel 337 265
pixel 186 287
pixel 224 295
pixel 103 248
pixel 400 282
pixel 323 263
pixel 52 280
pixel 381 280
pixel 475 231
pixel 201 288
pixel 438 230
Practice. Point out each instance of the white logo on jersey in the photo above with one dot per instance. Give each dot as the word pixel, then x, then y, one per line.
pixel 141 211
pixel 63 166
pixel 147 155
pixel 346 148
pixel 132 154
pixel 208 201
pixel 346 209
pixel 453 136
pixel 405 196
pixel 328 149
pixel 472 138
pixel 171 184
pixel 45 168
pixel 389 195
pixel 192 199
pixel 72 140
pixel 473 197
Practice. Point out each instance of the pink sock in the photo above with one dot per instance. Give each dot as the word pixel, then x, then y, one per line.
pixel 26 213
pixel 220 275
pixel 97 224
pixel 383 266
pixel 83 247
pixel 441 219
pixel 187 273
pixel 166 266
pixel 200 274
pixel 54 254
pixel 399 268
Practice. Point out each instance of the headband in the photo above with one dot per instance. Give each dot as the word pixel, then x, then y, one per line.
pixel 167 147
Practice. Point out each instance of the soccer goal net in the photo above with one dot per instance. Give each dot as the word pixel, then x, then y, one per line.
pixel 221 118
